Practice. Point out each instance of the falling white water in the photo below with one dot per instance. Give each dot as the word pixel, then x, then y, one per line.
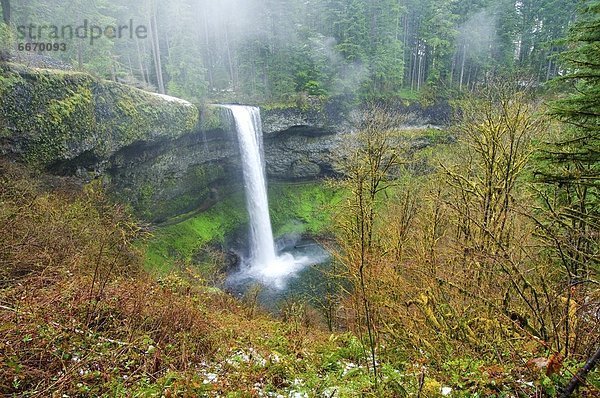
pixel 264 264
pixel 249 132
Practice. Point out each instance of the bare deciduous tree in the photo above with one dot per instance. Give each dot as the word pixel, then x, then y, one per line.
pixel 368 159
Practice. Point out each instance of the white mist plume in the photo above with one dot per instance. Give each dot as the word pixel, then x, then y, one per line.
pixel 478 34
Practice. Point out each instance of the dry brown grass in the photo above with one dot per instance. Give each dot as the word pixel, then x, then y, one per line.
pixel 79 316
pixel 71 280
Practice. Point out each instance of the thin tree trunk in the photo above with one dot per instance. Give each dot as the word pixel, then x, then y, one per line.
pixel 549 67
pixel 469 70
pixel 422 64
pixel 140 63
pixel 253 73
pixel 113 69
pixel 413 67
pixel 373 25
pixel 6 11
pixel 131 73
pixel 79 56
pixel 364 242
pixel 473 78
pixel 419 69
pixel 397 31
pixel 405 49
pixel 167 42
pixel 209 62
pixel 147 61
pixel 156 52
pixel 266 77
pixel 229 60
pixel 581 375
pixel 462 67
pixel 452 69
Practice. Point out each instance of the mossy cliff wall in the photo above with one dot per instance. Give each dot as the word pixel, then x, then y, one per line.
pixel 147 146
pixel 163 155
pixel 48 117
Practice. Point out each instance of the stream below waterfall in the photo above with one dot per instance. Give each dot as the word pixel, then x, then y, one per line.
pixel 308 281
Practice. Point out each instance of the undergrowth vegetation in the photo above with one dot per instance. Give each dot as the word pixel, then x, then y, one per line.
pixel 471 270
pixel 430 304
pixel 80 317
pixel 458 265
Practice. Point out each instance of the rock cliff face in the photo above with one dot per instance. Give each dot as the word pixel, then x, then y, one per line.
pixel 169 177
pixel 52 119
pixel 162 155
pixel 300 153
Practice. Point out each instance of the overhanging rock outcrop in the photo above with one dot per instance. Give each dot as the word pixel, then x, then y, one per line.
pixel 300 153
pixel 163 155
pixel 299 142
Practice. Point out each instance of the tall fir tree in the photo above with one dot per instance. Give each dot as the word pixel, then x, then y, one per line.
pixel 571 171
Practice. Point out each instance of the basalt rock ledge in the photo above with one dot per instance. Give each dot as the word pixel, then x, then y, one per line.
pixel 163 155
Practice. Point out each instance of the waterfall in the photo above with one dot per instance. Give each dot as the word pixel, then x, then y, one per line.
pixel 249 133
pixel 264 264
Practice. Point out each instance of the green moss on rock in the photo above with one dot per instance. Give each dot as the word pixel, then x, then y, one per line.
pixel 161 199
pixel 48 116
pixel 294 208
pixel 212 117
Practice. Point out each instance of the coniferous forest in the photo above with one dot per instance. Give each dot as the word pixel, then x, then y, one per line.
pixel 285 198
pixel 272 51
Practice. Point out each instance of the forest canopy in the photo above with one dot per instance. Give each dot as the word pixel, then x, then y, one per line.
pixel 273 51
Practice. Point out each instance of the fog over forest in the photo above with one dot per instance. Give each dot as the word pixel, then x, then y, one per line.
pixel 273 50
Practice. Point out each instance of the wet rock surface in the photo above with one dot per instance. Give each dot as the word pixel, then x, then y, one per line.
pixel 153 151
